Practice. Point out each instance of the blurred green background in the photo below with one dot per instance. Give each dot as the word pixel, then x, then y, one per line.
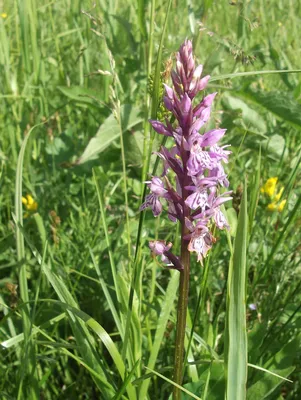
pixel 73 67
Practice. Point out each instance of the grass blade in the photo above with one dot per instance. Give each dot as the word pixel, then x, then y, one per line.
pixel 269 372
pixel 83 338
pixel 175 384
pixel 126 382
pixel 107 296
pixel 28 365
pixel 251 73
pixel 166 308
pixel 236 335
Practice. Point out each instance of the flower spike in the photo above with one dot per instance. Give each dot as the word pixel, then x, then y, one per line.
pixel 196 160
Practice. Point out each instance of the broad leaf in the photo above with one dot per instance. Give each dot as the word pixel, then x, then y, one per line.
pixel 110 131
pixel 81 95
pixel 251 118
pixel 281 104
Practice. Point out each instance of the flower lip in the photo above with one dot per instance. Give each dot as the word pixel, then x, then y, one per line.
pixel 158 247
pixel 201 242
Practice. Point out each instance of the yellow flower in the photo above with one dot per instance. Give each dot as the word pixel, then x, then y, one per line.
pixel 279 194
pixel 281 205
pixel 29 203
pixel 270 186
pixel 270 189
pixel 272 206
pixel 3 15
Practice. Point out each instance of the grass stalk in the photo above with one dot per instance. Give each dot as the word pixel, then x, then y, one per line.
pixel 200 304
pixel 118 116
pixel 147 101
pixel 183 301
pixel 28 364
pixel 182 314
pixel 126 201
pixel 107 237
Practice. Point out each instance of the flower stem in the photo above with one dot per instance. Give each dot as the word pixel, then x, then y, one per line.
pixel 182 313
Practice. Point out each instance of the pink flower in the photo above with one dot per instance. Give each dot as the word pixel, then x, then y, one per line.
pixel 152 200
pixel 199 160
pixel 201 242
pixel 158 248
pixel 220 219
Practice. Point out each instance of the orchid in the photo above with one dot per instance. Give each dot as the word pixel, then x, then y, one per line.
pixel 196 162
pixel 196 158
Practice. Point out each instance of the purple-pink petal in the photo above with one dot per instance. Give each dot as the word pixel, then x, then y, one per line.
pixel 197 200
pixel 220 219
pixel 168 103
pixel 169 91
pixel 185 104
pixel 212 137
pixel 158 247
pixel 157 187
pixel 160 128
pixel 203 82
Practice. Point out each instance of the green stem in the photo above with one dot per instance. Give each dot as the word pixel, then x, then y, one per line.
pixel 182 313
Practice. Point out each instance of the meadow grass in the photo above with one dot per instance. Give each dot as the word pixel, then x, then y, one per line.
pixel 86 312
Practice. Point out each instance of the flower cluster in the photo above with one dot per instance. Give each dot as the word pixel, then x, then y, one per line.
pixel 196 160
pixel 269 188
pixel 30 204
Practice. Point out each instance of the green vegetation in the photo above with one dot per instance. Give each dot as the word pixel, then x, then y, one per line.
pixel 86 312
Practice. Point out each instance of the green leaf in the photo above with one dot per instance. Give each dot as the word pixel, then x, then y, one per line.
pixel 261 389
pixel 28 362
pixel 280 104
pixel 81 95
pixel 269 372
pixel 255 339
pixel 282 363
pixel 232 219
pixel 193 387
pixel 276 146
pixel 212 382
pixel 133 144
pixel 55 147
pixel 249 116
pixel 217 381
pixel 13 341
pixel 110 131
pixel 236 355
pixel 254 195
